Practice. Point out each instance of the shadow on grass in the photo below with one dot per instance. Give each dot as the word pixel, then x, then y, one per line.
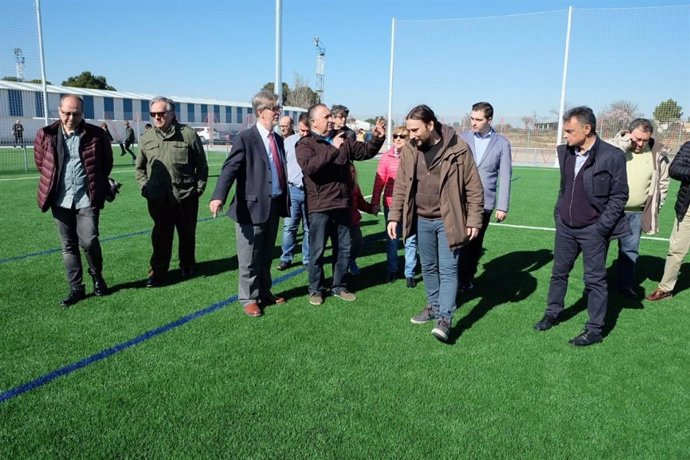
pixel 205 268
pixel 512 272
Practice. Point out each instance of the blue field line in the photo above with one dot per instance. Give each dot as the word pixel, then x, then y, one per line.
pixel 108 352
pixel 103 240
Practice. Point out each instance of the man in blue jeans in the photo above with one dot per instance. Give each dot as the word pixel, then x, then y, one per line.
pixel 647 168
pixel 298 203
pixel 438 188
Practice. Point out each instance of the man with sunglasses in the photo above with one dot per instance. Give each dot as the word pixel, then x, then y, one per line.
pixel 647 168
pixel 74 159
pixel 171 170
pixel 492 155
pixel 256 165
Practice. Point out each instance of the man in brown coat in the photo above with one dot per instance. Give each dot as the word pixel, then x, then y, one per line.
pixel 439 197
pixel 74 159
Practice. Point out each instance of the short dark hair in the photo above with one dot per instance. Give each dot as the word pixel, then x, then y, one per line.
pixel 584 115
pixel 424 113
pixel 312 109
pixel 484 106
pixel 304 118
pixel 643 124
pixel 340 111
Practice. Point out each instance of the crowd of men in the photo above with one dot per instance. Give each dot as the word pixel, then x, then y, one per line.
pixel 442 195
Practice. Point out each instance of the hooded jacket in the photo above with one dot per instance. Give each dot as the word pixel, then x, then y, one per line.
pixel 95 153
pixel 658 188
pixel 461 192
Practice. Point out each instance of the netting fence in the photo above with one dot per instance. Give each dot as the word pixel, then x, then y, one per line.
pixel 624 63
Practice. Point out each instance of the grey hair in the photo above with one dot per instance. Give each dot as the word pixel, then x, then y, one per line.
pixel 643 124
pixel 65 96
pixel 264 99
pixel 169 103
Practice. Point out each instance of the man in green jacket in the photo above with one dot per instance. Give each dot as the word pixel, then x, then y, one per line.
pixel 171 170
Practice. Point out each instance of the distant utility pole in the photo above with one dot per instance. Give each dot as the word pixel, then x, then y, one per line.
pixel 20 63
pixel 320 67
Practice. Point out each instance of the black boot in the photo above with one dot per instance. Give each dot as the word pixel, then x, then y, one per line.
pixel 75 295
pixel 100 288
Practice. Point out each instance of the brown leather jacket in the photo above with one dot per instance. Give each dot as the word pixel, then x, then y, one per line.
pixel 327 176
pixel 96 156
pixel 461 195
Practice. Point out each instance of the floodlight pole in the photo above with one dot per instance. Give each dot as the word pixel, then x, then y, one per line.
pixel 278 83
pixel 43 61
pixel 389 131
pixel 561 109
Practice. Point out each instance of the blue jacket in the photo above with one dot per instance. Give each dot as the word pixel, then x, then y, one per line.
pixel 606 185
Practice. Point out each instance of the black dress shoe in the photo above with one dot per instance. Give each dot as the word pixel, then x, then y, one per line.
pixel 586 338
pixel 153 281
pixel 283 265
pixel 411 283
pixel 187 272
pixel 629 292
pixel 392 276
pixel 75 295
pixel 100 288
pixel 547 322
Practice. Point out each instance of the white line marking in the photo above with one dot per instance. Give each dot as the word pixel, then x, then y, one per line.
pixel 548 229
pixel 35 176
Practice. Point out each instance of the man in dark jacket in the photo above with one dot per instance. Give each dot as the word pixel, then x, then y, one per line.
pixel 589 214
pixel 74 159
pixel 171 170
pixel 256 165
pixel 128 142
pixel 340 114
pixel 680 235
pixel 328 183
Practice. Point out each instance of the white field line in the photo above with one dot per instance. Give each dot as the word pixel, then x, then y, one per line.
pixel 548 229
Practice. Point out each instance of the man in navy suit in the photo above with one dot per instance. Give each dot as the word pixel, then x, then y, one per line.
pixel 492 154
pixel 257 165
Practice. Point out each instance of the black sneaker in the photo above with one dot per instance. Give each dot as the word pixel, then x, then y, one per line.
pixel 547 322
pixel 424 316
pixel 411 283
pixel 283 265
pixel 442 329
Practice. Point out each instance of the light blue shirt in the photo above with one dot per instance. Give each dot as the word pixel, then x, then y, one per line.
pixel 72 185
pixel 480 144
pixel 275 181
pixel 294 172
pixel 580 160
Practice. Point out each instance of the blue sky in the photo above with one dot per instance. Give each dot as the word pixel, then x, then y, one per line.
pixel 225 50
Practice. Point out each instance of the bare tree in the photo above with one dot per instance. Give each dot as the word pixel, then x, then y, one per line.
pixel 301 95
pixel 618 115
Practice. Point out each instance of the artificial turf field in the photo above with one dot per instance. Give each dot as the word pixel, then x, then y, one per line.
pixel 181 372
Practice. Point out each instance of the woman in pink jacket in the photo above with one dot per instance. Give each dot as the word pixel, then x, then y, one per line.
pixel 385 178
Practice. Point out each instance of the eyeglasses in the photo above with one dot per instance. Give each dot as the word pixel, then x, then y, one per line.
pixel 158 114
pixel 399 136
pixel 275 108
pixel 70 114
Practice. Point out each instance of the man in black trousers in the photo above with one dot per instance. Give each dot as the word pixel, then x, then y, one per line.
pixel 589 214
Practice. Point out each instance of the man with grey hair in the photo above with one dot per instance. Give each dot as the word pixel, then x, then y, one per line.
pixel 74 159
pixel 340 114
pixel 589 214
pixel 256 165
pixel 646 164
pixel 171 170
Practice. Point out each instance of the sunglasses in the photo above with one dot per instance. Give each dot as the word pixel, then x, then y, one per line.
pixel 399 136
pixel 157 114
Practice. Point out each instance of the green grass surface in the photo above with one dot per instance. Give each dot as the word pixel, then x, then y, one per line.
pixel 343 380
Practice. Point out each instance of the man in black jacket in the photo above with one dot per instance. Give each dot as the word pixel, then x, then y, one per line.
pixel 589 214
pixel 680 236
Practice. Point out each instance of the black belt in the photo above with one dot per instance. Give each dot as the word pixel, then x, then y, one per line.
pixel 301 187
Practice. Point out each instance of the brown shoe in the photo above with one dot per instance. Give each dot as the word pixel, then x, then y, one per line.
pixel 253 309
pixel 272 300
pixel 659 294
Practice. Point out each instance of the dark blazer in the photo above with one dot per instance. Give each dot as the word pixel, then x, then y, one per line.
pixel 248 166
pixel 606 185
pixel 680 170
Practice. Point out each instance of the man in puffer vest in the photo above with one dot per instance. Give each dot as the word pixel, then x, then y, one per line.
pixel 646 164
pixel 74 159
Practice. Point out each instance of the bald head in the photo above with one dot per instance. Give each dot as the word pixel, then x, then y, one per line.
pixel 286 126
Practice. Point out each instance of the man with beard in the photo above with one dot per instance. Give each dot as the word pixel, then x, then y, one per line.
pixel 256 164
pixel 439 197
